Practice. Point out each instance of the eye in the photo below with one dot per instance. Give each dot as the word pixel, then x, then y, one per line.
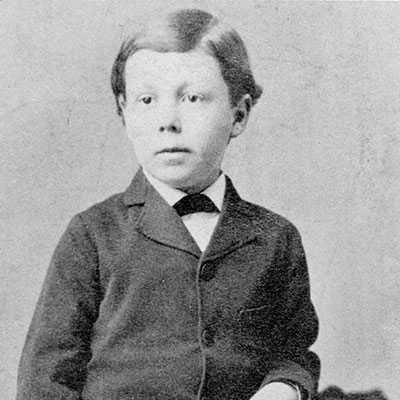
pixel 146 99
pixel 192 98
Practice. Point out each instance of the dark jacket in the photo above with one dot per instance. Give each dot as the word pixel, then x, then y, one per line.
pixel 131 309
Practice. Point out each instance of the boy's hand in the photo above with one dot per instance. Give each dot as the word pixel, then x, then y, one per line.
pixel 276 391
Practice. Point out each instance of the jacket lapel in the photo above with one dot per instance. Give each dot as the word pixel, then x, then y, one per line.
pixel 235 227
pixel 158 220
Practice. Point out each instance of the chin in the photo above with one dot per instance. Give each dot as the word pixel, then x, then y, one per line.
pixel 186 184
pixel 175 177
pixel 181 183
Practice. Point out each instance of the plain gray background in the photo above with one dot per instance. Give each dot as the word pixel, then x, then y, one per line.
pixel 322 148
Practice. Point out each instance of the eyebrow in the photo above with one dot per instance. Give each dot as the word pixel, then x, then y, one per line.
pixel 150 87
pixel 182 87
pixel 145 86
pixel 198 87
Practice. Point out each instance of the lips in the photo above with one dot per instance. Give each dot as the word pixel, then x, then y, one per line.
pixel 172 150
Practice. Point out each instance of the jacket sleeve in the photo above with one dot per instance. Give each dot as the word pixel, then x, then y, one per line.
pixel 297 322
pixel 57 347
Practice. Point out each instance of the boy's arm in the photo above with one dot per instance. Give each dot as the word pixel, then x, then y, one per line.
pixel 57 348
pixel 297 324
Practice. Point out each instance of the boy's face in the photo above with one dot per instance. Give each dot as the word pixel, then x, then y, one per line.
pixel 179 117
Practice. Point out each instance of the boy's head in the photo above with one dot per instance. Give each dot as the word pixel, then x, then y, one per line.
pixel 184 88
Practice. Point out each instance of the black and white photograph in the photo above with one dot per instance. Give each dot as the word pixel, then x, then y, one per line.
pixel 200 200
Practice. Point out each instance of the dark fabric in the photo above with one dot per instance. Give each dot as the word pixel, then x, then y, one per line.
pixel 335 393
pixel 131 309
pixel 193 203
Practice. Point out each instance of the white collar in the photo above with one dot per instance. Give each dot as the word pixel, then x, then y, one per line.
pixel 171 195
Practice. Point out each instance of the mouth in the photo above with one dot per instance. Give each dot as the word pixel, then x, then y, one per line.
pixel 173 150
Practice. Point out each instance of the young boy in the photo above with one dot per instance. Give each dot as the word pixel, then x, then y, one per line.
pixel 153 294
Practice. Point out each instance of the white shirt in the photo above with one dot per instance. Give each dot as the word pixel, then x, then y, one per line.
pixel 201 225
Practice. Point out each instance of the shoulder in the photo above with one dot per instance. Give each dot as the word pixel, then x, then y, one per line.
pixel 268 221
pixel 107 215
pixel 110 205
pixel 260 218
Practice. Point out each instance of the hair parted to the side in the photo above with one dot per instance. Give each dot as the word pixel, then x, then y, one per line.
pixel 186 30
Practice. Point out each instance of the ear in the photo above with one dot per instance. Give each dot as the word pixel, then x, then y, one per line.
pixel 241 115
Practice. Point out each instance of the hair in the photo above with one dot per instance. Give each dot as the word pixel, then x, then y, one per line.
pixel 186 30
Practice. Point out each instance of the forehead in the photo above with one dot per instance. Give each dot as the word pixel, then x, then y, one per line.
pixel 173 68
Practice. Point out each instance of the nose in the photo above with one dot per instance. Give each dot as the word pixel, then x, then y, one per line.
pixel 170 120
pixel 173 127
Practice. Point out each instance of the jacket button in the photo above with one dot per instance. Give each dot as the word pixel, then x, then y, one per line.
pixel 207 271
pixel 207 338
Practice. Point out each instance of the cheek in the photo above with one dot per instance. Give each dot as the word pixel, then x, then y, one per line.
pixel 137 128
pixel 217 124
pixel 139 137
pixel 219 130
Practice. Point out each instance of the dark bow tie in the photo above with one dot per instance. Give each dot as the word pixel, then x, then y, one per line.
pixel 194 203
